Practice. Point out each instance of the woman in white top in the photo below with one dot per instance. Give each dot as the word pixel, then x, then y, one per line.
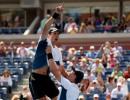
pixel 6 80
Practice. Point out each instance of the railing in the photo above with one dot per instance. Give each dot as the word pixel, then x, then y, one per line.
pixel 17 30
pixel 31 29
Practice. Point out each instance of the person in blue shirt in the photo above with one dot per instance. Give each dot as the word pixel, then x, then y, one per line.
pixel 91 53
pixel 40 83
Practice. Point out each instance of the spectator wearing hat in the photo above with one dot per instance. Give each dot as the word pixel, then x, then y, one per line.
pixel 69 83
pixel 124 83
pixel 81 52
pixel 95 97
pixel 91 53
pixel 97 67
pixel 81 97
pixel 83 64
pixel 117 92
pixel 94 87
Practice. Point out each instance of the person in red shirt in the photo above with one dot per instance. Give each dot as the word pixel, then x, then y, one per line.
pixel 126 74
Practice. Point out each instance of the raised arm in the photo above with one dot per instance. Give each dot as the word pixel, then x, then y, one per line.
pixel 53 67
pixel 48 21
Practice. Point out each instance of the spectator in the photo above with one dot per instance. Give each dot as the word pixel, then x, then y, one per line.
pixel 6 80
pixel 71 27
pixel 112 61
pixel 11 50
pixel 83 28
pixel 17 21
pixel 107 48
pixel 71 53
pixel 90 27
pixel 110 84
pixel 22 50
pixel 90 75
pixel 94 87
pixel 124 83
pixel 96 97
pixel 118 51
pixel 2 49
pixel 117 92
pixel 81 97
pixel 81 52
pixel 32 49
pixel 116 46
pixel 83 65
pixel 75 63
pixel 116 73
pixel 91 53
pixel 97 67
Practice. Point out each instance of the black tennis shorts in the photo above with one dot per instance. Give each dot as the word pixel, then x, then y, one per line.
pixel 42 85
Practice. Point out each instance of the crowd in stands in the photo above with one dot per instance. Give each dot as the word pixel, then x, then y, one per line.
pixel 106 70
pixel 102 24
pixel 12 26
pixel 15 62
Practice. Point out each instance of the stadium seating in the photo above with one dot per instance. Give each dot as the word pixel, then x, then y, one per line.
pixel 17 30
pixel 18 68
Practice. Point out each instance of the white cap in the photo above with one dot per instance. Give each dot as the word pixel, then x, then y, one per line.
pixel 81 97
pixel 95 81
pixel 119 84
pixel 92 47
pixel 95 95
pixel 85 76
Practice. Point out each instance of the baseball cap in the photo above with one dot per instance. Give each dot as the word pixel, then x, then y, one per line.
pixel 95 95
pixel 81 48
pixel 128 65
pixel 79 75
pixel 81 97
pixel 95 81
pixel 92 47
pixel 53 29
pixel 119 84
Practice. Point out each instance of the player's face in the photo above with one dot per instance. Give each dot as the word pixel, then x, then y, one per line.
pixel 72 77
pixel 54 37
